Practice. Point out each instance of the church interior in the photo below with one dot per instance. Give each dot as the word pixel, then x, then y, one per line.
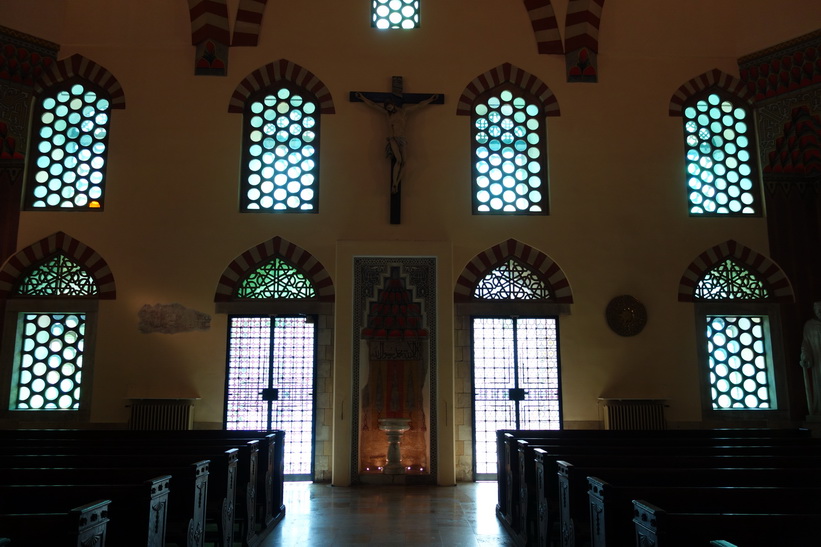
pixel 383 195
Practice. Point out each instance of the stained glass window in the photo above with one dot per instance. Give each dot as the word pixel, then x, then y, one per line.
pixel 276 279
pixel 70 148
pixel 395 14
pixel 281 156
pixel 721 178
pixel 58 276
pixel 509 154
pixel 512 281
pixel 740 370
pixel 730 281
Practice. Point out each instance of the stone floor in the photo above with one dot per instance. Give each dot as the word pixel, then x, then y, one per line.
pixel 324 516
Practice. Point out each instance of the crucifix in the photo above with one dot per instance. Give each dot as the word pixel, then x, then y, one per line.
pixel 395 106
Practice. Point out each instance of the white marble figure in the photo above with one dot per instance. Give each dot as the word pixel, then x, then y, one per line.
pixel 811 360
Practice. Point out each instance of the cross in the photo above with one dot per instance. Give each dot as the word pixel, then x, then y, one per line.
pixel 396 105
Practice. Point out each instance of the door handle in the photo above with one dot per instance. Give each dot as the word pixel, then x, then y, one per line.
pixel 270 394
pixel 516 394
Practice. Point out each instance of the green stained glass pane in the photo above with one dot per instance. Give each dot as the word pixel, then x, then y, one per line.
pixel 730 281
pixel 58 276
pixel 512 281
pixel 276 279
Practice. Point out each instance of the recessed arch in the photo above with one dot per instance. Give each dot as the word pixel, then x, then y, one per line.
pixel 711 79
pixel 254 257
pixel 541 264
pixel 272 73
pixel 582 24
pixel 763 267
pixel 20 263
pixel 508 73
pixel 79 66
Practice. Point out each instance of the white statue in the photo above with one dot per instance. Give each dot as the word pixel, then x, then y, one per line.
pixel 811 360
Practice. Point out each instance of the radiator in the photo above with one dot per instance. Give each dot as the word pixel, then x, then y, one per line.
pixel 162 414
pixel 635 414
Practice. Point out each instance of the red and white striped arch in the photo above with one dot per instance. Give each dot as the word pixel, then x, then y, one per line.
pixel 768 271
pixel 18 265
pixel 712 79
pixel 507 73
pixel 209 21
pixel 581 26
pixel 248 22
pixel 249 261
pixel 277 71
pixel 545 26
pixel 79 66
pixel 548 271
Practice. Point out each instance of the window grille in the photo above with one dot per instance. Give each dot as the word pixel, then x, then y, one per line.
pixel 281 153
pixel 509 154
pixel 274 353
pixel 70 148
pixel 276 279
pixel 395 14
pixel 58 276
pixel 739 361
pixel 515 381
pixel 511 281
pixel 719 144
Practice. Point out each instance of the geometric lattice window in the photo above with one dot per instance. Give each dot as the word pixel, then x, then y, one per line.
pixel 49 372
pixel 389 14
pixel 280 166
pixel 69 148
pixel 276 279
pixel 509 154
pixel 274 353
pixel 512 281
pixel 59 276
pixel 730 281
pixel 515 381
pixel 740 368
pixel 719 144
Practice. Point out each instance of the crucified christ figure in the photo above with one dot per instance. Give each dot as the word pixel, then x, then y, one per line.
pixel 397 116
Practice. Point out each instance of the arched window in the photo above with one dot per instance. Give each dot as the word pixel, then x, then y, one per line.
pixel 279 331
pixel 719 138
pixel 509 299
pixel 395 14
pixel 50 326
pixel 70 145
pixel 508 109
pixel 71 122
pixel 281 105
pixel 736 293
pixel 509 153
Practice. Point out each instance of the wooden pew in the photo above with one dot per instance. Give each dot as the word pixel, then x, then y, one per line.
pixel 77 527
pixel 577 505
pixel 186 516
pixel 529 515
pixel 262 472
pixel 612 509
pixel 271 453
pixel 582 435
pixel 137 510
pixel 683 527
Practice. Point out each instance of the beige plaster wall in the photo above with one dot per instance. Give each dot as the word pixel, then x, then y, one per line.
pixel 618 222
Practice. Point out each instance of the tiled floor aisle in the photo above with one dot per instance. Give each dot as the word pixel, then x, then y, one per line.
pixel 324 516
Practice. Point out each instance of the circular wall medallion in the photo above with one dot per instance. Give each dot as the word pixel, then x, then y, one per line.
pixel 626 315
